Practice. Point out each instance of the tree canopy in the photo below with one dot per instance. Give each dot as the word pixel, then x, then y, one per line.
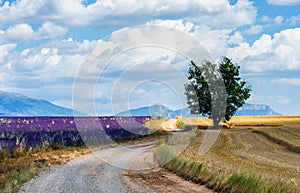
pixel 216 90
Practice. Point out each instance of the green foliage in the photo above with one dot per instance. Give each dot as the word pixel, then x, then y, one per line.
pixel 250 184
pixel 18 179
pixel 181 125
pixel 214 88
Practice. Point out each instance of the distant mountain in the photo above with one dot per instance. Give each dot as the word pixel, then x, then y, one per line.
pixel 155 110
pixel 163 111
pixel 256 110
pixel 15 104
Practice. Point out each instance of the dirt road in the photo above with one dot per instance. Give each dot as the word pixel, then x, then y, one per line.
pixel 170 125
pixel 115 169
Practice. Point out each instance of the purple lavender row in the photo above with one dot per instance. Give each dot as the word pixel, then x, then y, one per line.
pixel 35 131
pixel 25 124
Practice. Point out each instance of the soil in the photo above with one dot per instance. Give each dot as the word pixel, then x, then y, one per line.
pixel 161 180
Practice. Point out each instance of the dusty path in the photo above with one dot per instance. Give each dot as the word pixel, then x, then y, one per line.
pixel 170 125
pixel 89 173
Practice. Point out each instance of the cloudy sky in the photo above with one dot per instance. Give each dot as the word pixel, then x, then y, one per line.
pixel 44 45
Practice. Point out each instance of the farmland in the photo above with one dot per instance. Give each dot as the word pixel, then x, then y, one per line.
pixel 29 144
pixel 32 132
pixel 257 154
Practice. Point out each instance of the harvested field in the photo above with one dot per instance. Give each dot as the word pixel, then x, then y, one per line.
pixel 263 146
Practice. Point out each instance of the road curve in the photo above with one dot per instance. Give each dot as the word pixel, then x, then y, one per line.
pixel 104 171
pixel 170 125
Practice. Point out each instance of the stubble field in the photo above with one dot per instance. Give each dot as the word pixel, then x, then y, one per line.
pixel 259 152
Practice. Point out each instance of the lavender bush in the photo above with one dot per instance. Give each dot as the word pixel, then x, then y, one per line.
pixel 31 132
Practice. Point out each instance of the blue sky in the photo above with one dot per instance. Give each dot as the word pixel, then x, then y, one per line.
pixel 44 43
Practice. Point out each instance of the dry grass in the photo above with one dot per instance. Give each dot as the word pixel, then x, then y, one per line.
pixel 264 120
pixel 283 130
pixel 155 124
pixel 246 157
pixel 196 121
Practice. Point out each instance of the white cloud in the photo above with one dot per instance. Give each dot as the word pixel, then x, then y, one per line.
pixel 287 81
pixel 294 19
pixel 218 14
pixel 50 30
pixel 43 66
pixel 283 2
pixel 4 51
pixel 160 56
pixel 44 72
pixel 265 18
pixel 255 29
pixel 182 25
pixel 280 52
pixel 215 41
pixel 24 32
pixel 20 32
pixel 236 38
pixel 279 19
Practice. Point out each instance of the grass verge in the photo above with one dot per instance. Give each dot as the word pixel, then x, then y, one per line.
pixel 197 172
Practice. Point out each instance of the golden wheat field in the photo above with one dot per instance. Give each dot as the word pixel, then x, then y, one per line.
pixel 267 147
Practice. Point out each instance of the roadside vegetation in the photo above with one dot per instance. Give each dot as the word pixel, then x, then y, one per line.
pixel 256 154
pixel 244 158
pixel 22 164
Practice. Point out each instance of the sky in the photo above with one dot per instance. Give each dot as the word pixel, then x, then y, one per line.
pixel 58 50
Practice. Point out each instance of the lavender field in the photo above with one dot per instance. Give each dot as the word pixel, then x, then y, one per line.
pixel 32 132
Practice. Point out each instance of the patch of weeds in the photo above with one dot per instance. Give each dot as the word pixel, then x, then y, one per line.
pixel 250 184
pixel 18 178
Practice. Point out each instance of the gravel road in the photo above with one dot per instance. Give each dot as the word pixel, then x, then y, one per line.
pixel 108 170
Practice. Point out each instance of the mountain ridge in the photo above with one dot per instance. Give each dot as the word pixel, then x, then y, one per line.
pixel 163 111
pixel 16 104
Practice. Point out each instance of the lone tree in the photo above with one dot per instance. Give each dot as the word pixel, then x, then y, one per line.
pixel 214 88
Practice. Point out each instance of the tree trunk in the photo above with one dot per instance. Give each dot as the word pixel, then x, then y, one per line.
pixel 215 123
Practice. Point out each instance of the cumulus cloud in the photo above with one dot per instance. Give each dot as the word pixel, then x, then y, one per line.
pixel 50 30
pixel 236 39
pixel 280 52
pixel 284 2
pixel 24 32
pixel 141 54
pixel 20 32
pixel 255 29
pixel 218 14
pixel 55 63
pixel 4 51
pixel 215 41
